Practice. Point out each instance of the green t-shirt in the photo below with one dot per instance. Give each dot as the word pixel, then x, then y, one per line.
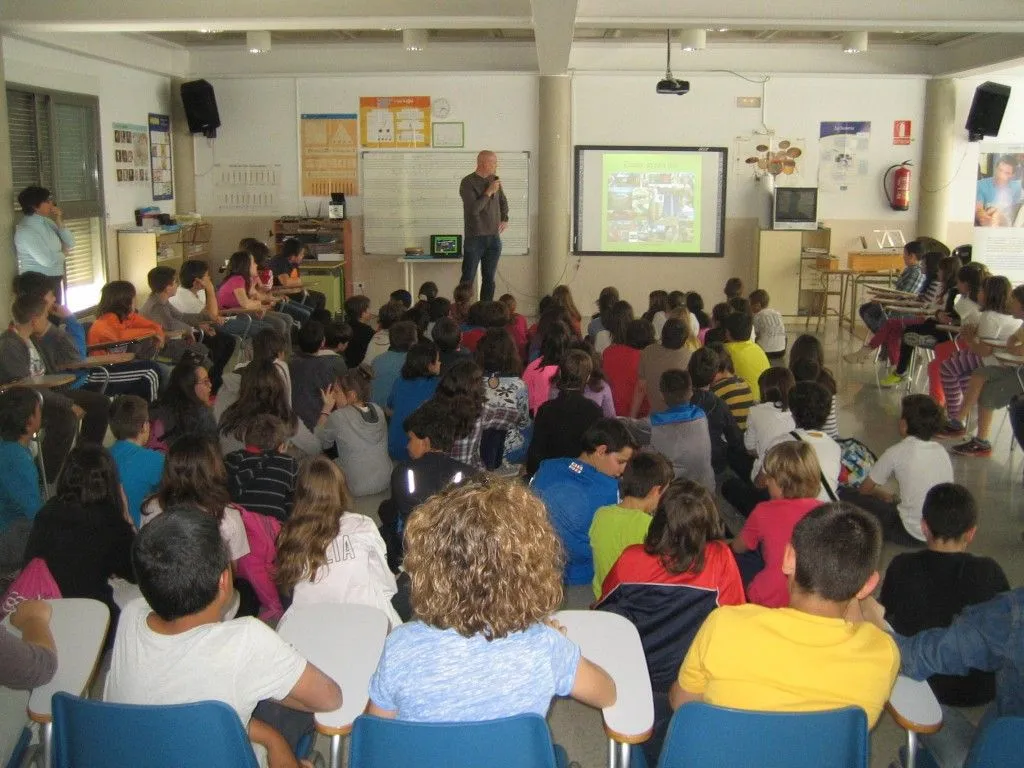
pixel 613 529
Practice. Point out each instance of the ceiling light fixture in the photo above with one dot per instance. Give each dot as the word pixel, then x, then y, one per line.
pixel 414 39
pixel 257 42
pixel 855 42
pixel 209 31
pixel 693 39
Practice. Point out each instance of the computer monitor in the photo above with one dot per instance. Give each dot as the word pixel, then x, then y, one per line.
pixel 445 246
pixel 795 208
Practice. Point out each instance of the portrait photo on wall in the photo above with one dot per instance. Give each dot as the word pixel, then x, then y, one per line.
pixel 998 198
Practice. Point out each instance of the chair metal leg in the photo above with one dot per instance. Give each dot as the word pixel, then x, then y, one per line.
pixel 335 751
pixel 613 753
pixel 46 737
pixel 625 751
pixel 911 749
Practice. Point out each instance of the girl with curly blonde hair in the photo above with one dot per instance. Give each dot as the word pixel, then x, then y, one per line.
pixel 328 555
pixel 486 572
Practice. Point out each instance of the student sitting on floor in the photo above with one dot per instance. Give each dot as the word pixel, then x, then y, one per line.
pixel 357 313
pixel 328 554
pixel 680 432
pixel 917 462
pixel 262 476
pixel 771 417
pixel 387 316
pixel 311 372
pixel 793 476
pixel 736 393
pixel 726 437
pixel 417 382
pixel 809 656
pixel 617 526
pixel 140 468
pixel 475 653
pixel 573 490
pixel 769 326
pixel 807 362
pixel 448 338
pixel 928 589
pixel 748 359
pixel 173 648
pixel 20 495
pixel 387 366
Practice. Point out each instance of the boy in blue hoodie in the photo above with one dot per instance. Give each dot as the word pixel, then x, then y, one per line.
pixel 680 433
pixel 573 489
pixel 140 468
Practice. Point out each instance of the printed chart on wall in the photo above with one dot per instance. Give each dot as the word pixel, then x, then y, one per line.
pixel 160 156
pixel 251 188
pixel 131 153
pixel 843 154
pixel 329 145
pixel 394 122
pixel 999 210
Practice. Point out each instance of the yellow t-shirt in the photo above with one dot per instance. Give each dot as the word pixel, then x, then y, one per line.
pixel 785 660
pixel 750 362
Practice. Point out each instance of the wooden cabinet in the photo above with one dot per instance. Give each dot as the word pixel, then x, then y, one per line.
pixel 138 251
pixel 320 236
pixel 785 267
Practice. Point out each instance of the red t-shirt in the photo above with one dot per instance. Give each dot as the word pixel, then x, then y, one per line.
pixel 472 337
pixel 771 525
pixel 621 364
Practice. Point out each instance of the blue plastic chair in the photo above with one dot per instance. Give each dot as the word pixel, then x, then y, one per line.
pixel 523 741
pixel 102 735
pixel 1000 744
pixel 718 737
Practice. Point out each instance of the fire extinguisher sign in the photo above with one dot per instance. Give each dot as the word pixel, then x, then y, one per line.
pixel 900 132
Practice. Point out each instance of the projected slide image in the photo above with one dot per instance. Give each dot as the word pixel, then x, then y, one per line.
pixel 651 203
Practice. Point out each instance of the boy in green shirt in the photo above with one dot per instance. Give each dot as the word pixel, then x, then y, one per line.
pixel 617 526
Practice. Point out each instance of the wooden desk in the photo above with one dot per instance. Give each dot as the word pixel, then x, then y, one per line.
pixel 875 260
pixel 613 643
pixel 99 361
pixel 914 707
pixel 317 631
pixel 410 263
pixel 79 626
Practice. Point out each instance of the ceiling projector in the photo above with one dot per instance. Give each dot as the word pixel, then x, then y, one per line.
pixel 673 86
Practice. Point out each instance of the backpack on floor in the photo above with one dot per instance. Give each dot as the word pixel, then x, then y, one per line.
pixel 857 461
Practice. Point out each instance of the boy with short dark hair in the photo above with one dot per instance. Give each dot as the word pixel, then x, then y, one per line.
pixel 769 327
pixel 311 372
pixel 617 526
pixel 735 391
pixel 573 489
pixel 726 438
pixel 917 463
pixel 337 336
pixel 172 647
pixel 388 315
pixel 448 337
pixel 261 476
pixel 748 359
pixel 139 467
pixel 680 433
pixel 388 366
pixel 20 496
pixel 809 657
pixel 357 312
pixel 928 589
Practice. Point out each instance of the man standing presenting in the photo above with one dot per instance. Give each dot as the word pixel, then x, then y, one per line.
pixel 485 210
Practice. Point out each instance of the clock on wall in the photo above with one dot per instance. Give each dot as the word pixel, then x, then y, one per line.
pixel 441 108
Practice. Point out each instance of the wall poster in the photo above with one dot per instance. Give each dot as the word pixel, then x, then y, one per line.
pixel 131 153
pixel 394 122
pixel 999 210
pixel 328 148
pixel 160 156
pixel 843 154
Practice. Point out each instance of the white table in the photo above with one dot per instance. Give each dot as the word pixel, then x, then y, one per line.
pixel 612 642
pixel 914 707
pixel 345 642
pixel 409 265
pixel 79 626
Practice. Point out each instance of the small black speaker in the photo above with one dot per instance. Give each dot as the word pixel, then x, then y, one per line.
pixel 201 108
pixel 987 109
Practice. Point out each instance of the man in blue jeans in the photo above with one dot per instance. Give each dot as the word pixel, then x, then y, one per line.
pixel 485 212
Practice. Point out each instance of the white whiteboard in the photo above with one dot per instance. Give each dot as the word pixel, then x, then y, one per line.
pixel 409 196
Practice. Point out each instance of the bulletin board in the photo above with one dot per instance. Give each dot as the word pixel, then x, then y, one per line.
pixel 409 196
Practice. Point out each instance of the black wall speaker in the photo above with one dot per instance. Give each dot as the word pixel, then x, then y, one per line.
pixel 201 108
pixel 987 109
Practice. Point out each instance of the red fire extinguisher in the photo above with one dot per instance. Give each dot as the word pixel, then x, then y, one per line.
pixel 898 193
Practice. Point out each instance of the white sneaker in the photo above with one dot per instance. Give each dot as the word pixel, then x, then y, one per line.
pixel 862 355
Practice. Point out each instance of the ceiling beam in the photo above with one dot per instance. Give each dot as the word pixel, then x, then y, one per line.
pixel 553 24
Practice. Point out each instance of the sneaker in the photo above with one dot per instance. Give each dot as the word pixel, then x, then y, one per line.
pixel 974 447
pixel 862 355
pixel 919 340
pixel 953 429
pixel 892 380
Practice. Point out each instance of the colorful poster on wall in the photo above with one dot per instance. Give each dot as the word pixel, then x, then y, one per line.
pixel 160 156
pixel 131 153
pixel 843 154
pixel 999 210
pixel 757 154
pixel 394 122
pixel 329 154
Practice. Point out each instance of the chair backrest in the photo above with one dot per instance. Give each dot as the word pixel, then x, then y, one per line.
pixel 523 741
pixel 702 734
pixel 1000 744
pixel 103 735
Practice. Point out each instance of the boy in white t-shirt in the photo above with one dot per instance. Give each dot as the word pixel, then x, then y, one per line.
pixel 917 462
pixel 768 325
pixel 172 648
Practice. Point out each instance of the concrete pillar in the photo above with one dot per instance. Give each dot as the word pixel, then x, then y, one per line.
pixel 554 173
pixel 181 149
pixel 936 158
pixel 8 261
